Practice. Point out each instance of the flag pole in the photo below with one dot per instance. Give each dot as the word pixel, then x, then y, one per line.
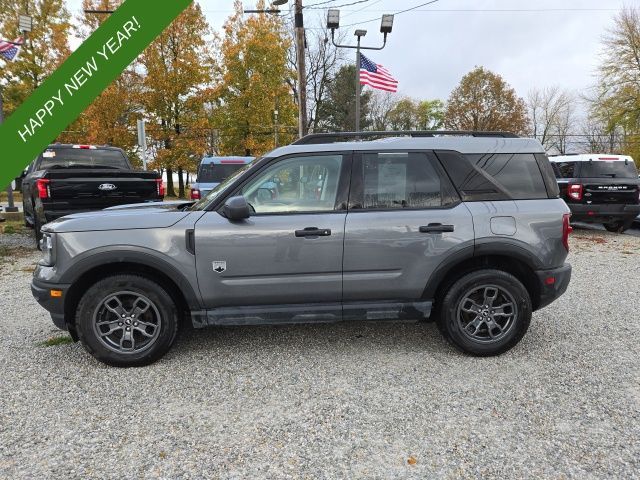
pixel 358 65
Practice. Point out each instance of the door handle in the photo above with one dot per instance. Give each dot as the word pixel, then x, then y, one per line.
pixel 313 232
pixel 436 228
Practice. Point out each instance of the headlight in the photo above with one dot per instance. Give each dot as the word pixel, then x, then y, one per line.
pixel 47 245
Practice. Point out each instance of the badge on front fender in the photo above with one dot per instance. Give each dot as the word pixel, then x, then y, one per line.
pixel 219 266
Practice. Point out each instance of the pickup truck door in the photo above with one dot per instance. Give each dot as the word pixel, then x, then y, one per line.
pixel 288 253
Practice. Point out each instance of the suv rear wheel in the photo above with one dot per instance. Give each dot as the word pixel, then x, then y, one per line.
pixel 127 321
pixel 485 312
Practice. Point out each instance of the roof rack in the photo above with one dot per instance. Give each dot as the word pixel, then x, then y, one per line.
pixel 316 138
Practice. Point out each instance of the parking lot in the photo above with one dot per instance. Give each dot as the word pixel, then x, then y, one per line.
pixel 358 400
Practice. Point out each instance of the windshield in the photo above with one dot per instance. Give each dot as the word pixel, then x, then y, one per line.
pixel 216 173
pixel 209 198
pixel 608 169
pixel 88 158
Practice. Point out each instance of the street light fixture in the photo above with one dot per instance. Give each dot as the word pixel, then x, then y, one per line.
pixel 333 19
pixel 387 24
pixel 333 23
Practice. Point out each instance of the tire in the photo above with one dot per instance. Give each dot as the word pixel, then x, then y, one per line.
pixel 618 226
pixel 469 295
pixel 100 311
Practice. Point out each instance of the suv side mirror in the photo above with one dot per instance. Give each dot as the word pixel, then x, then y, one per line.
pixel 236 208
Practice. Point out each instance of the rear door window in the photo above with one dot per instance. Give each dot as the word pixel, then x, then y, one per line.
pixel 396 180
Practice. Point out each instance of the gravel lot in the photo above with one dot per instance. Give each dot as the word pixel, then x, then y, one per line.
pixel 335 401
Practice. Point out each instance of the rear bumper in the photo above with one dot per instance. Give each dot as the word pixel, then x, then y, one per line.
pixel 603 212
pixel 41 291
pixel 553 283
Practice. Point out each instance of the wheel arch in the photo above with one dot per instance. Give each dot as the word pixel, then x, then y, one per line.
pixel 96 267
pixel 511 260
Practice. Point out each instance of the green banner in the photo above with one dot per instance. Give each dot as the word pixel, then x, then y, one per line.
pixel 80 79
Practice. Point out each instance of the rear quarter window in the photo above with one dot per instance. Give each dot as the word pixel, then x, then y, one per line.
pixel 497 176
pixel 564 169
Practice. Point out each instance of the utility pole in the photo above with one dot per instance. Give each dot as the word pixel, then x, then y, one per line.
pixel 302 70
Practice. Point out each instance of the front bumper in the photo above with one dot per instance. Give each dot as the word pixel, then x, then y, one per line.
pixel 603 212
pixel 553 283
pixel 41 291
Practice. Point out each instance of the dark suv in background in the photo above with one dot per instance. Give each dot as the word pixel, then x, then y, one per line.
pixel 599 188
pixel 466 229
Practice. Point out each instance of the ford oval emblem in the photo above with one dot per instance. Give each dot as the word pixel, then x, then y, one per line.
pixel 107 187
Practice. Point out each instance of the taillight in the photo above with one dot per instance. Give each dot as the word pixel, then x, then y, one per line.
pixel 43 188
pixel 195 194
pixel 575 191
pixel 160 187
pixel 566 230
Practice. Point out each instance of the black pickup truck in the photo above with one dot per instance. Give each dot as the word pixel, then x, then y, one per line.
pixel 599 188
pixel 67 179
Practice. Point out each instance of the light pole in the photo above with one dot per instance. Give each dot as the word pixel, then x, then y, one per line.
pixel 25 25
pixel 333 23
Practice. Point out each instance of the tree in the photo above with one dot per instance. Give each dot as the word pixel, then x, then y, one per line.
pixel 551 115
pixel 387 112
pixel 484 101
pixel 45 49
pixel 338 112
pixel 178 70
pixel 111 118
pixel 323 60
pixel 619 81
pixel 255 81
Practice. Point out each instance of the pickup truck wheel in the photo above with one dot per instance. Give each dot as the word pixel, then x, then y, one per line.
pixel 127 321
pixel 485 312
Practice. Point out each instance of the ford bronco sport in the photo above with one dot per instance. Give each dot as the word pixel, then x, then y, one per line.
pixel 599 188
pixel 466 229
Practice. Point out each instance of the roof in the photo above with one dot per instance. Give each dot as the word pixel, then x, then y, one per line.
pixel 591 157
pixel 460 144
pixel 229 159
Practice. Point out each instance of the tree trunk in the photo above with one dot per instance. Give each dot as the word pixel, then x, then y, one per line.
pixel 170 191
pixel 180 182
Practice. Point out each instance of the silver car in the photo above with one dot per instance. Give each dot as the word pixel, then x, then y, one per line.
pixel 463 229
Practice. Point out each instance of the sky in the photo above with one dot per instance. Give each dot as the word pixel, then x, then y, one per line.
pixel 532 44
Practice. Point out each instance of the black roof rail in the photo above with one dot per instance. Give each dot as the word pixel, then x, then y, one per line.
pixel 316 138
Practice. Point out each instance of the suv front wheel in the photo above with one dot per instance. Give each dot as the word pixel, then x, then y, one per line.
pixel 485 312
pixel 127 321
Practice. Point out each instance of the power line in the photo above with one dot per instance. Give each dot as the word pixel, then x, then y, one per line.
pixel 316 7
pixel 395 13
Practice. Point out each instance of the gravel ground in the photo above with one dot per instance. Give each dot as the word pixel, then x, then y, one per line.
pixel 336 401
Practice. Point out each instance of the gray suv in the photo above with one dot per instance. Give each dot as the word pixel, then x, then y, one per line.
pixel 464 228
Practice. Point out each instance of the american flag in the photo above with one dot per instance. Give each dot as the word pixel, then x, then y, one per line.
pixel 376 76
pixel 9 50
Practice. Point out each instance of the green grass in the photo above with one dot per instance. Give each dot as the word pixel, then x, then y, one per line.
pixel 13 228
pixel 54 341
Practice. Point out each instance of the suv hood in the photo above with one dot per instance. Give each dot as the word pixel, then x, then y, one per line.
pixel 123 217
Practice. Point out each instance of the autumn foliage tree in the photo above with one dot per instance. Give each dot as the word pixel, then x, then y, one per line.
pixel 254 74
pixel 616 110
pixel 178 68
pixel 46 48
pixel 111 118
pixel 484 101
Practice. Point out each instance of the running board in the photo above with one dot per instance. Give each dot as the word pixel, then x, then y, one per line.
pixel 312 313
